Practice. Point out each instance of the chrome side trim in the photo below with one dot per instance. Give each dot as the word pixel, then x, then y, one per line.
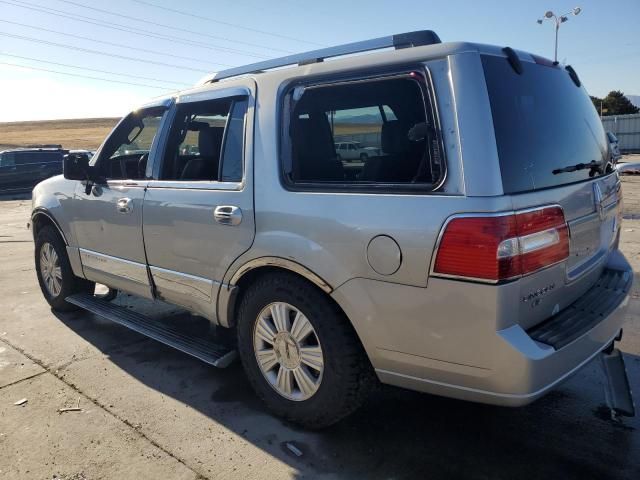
pixel 183 283
pixel 42 211
pixel 282 263
pixel 196 185
pixel 118 267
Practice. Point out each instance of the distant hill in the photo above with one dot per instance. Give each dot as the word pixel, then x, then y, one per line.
pixel 366 118
pixel 635 99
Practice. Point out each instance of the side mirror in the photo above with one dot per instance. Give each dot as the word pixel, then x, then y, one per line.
pixel 76 166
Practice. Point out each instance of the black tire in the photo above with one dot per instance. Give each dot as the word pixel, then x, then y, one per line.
pixel 347 378
pixel 71 284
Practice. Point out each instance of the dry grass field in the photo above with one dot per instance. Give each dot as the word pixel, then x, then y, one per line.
pixel 88 133
pixel 85 133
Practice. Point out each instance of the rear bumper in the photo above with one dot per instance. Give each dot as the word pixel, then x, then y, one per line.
pixel 506 366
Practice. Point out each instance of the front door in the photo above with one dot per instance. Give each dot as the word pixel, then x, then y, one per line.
pixel 108 217
pixel 198 210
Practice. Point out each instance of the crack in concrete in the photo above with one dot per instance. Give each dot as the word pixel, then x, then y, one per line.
pixel 199 475
pixel 22 379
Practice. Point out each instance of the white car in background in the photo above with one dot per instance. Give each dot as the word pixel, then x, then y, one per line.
pixel 355 151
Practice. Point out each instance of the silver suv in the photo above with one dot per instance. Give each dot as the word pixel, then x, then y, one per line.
pixel 475 257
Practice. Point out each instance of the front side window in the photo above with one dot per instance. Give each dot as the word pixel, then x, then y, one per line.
pixel 206 141
pixel 369 132
pixel 126 151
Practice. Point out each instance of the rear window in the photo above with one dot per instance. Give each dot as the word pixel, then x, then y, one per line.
pixel 543 123
pixel 26 158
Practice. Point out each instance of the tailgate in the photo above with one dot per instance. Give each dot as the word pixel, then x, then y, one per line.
pixel 553 150
pixel 593 211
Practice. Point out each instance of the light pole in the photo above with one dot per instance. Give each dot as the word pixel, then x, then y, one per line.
pixel 558 19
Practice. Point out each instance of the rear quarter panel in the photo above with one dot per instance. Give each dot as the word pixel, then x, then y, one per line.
pixel 328 232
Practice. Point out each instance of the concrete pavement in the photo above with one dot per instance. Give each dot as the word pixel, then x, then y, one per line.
pixel 150 412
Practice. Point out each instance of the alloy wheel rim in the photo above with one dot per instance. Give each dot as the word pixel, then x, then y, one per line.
pixel 50 269
pixel 288 351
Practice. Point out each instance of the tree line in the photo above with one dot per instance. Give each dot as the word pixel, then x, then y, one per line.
pixel 615 103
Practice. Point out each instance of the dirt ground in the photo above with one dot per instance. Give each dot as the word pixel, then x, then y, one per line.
pixel 85 133
pixel 149 412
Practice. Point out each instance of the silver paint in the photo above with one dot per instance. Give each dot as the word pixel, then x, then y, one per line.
pixel 441 335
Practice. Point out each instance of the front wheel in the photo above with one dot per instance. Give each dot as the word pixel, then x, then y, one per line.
pixel 55 276
pixel 300 352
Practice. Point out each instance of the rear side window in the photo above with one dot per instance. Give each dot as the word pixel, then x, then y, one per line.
pixel 206 142
pixel 41 157
pixel 544 126
pixel 23 158
pixel 362 134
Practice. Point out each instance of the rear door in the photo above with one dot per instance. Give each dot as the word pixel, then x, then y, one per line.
pixel 26 171
pixel 198 210
pixel 553 150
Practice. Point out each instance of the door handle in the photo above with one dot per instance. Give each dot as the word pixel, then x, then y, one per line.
pixel 124 205
pixel 227 215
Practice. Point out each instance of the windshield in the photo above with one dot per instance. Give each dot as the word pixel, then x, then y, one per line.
pixel 543 123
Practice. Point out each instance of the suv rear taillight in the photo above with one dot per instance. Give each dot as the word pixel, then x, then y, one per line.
pixel 502 247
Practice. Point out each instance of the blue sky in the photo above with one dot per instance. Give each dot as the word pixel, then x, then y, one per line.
pixel 602 43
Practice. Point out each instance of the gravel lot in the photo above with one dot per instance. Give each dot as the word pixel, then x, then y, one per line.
pixel 148 412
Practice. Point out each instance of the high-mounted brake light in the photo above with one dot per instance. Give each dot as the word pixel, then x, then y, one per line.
pixel 543 61
pixel 502 247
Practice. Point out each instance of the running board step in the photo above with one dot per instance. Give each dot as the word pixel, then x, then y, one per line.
pixel 207 351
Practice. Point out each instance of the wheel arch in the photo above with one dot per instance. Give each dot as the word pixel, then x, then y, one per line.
pixel 231 295
pixel 40 218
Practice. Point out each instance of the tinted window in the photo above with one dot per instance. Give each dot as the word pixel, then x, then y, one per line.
pixel 6 159
pixel 543 123
pixel 26 158
pixel 234 143
pixel 38 157
pixel 380 127
pixel 206 141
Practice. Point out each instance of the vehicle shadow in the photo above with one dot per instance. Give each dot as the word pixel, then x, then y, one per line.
pixel 397 434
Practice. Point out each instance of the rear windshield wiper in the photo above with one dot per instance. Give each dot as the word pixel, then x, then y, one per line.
pixel 596 167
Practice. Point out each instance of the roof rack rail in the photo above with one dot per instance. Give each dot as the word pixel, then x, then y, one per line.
pixel 398 41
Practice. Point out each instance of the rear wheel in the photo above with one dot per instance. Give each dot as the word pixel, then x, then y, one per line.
pixel 300 353
pixel 55 276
